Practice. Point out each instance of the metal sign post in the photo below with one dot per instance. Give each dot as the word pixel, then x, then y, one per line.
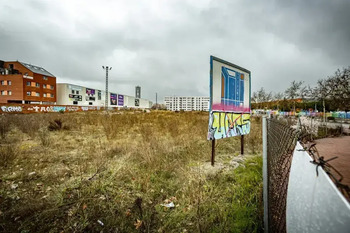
pixel 242 144
pixel 213 152
pixel 265 181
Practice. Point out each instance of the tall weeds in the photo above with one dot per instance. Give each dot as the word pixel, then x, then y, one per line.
pixel 121 169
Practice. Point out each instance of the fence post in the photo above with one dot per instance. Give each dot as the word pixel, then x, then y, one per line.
pixel 265 181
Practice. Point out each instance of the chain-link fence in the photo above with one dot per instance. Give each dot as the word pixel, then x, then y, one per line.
pixel 281 141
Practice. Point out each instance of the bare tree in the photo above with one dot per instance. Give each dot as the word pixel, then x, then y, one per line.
pixel 278 97
pixel 294 91
pixel 261 96
pixel 339 89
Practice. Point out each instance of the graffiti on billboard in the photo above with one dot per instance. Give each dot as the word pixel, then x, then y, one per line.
pixel 229 114
pixel 225 124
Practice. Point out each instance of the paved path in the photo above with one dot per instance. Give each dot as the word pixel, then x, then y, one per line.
pixel 338 146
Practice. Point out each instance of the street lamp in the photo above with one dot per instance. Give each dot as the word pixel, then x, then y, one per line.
pixel 106 100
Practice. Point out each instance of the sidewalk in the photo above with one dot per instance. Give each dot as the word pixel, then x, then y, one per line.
pixel 339 146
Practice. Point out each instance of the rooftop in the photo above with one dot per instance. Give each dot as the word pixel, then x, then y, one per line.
pixel 37 69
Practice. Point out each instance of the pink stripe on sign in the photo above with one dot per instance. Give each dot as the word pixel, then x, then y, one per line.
pixel 231 108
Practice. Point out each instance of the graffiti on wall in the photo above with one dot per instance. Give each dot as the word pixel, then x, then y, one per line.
pixel 226 124
pixel 11 108
pixel 45 108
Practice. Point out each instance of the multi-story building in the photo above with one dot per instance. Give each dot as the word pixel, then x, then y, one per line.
pixel 25 83
pixel 70 94
pixel 187 103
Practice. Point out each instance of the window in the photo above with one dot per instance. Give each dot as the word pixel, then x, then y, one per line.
pixel 37 94
pixel 44 95
pixel 2 82
pixel 52 95
pixel 77 92
pixel 44 77
pixel 2 92
pixel 90 103
pixel 37 84
pixel 51 87
pixel 29 93
pixel 44 85
pixel 72 91
pixel 9 92
pixel 75 102
pixel 9 82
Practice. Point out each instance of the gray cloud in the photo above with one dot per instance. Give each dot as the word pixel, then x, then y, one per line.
pixel 164 46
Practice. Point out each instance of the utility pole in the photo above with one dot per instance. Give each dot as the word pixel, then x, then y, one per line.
pixel 106 100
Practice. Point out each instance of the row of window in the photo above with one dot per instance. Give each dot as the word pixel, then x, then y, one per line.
pixel 45 86
pixel 6 82
pixel 37 94
pixel 6 92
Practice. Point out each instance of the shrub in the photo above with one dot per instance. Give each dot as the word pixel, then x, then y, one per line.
pixel 44 137
pixel 4 126
pixel 56 124
pixel 8 153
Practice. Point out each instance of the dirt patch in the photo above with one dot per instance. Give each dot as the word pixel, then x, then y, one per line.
pixel 340 147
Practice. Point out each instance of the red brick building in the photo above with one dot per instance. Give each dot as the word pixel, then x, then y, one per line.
pixel 27 84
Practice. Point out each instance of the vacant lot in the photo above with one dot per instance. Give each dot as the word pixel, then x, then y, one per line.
pixel 126 172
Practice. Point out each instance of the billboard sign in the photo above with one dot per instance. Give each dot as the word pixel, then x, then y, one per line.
pixel 229 110
pixel 113 99
pixel 120 100
pixel 90 91
pixel 75 97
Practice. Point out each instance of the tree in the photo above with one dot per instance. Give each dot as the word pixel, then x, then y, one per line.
pixel 278 97
pixel 339 89
pixel 261 96
pixel 321 92
pixel 294 91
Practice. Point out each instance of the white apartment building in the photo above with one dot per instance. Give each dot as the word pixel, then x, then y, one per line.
pixel 70 94
pixel 187 103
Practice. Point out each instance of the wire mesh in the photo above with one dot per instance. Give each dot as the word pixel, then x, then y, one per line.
pixel 281 141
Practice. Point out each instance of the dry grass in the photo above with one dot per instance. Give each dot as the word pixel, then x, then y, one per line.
pixel 113 172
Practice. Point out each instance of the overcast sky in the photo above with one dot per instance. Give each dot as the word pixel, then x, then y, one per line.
pixel 164 45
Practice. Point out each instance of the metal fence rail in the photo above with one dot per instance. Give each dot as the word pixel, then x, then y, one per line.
pixel 281 141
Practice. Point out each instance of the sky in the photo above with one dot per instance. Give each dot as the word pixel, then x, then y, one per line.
pixel 164 46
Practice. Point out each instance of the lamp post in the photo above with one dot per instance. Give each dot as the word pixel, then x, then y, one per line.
pixel 106 100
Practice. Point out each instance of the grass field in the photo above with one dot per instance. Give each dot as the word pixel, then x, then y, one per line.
pixel 92 172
